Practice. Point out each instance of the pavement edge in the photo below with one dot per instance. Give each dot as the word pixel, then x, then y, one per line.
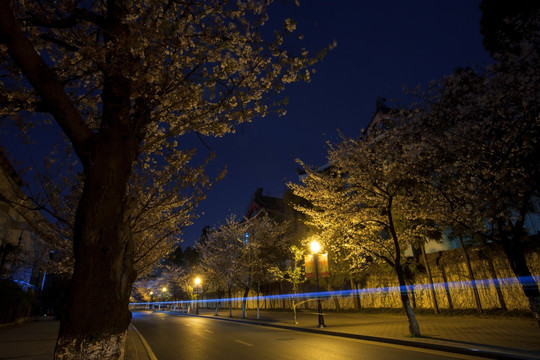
pixel 146 346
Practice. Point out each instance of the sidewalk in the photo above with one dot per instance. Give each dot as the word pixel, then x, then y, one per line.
pixel 34 340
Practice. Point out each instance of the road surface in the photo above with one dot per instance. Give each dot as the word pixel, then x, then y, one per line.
pixel 199 338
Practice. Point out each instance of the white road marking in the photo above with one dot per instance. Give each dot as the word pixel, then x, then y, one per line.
pixel 208 331
pixel 243 343
pixel 187 324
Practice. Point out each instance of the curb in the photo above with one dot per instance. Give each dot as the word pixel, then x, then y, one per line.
pixel 147 348
pixel 491 354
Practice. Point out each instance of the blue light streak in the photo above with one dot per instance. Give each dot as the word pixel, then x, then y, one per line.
pixel 460 285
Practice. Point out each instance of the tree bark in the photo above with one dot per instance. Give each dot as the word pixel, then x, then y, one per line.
pixel 410 288
pixel 96 319
pixel 414 329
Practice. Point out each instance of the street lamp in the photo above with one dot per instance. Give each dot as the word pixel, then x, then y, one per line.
pixel 315 248
pixel 152 299
pixel 197 286
pixel 163 297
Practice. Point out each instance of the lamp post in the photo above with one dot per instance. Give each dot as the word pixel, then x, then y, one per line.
pixel 152 299
pixel 315 248
pixel 197 285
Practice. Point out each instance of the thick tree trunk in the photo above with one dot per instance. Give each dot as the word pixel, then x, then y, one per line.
pixel 95 322
pixel 96 316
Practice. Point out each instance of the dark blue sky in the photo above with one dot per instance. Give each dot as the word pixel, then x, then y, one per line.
pixel 382 45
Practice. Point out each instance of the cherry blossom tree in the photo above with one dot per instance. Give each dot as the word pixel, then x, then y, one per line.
pixel 292 273
pixel 220 253
pixel 123 81
pixel 162 199
pixel 478 132
pixel 365 203
pixel 242 252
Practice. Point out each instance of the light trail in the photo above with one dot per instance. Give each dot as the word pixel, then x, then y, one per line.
pixel 460 285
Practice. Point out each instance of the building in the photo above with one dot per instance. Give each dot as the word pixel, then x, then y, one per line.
pixel 21 251
pixel 275 207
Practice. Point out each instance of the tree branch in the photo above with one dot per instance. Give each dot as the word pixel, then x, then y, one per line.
pixel 44 81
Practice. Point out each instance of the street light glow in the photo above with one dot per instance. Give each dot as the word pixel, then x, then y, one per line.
pixel 197 280
pixel 315 246
pixel 164 289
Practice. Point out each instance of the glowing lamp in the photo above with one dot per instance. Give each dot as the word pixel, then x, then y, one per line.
pixel 315 247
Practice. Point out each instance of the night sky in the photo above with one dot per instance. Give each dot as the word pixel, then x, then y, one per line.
pixel 382 45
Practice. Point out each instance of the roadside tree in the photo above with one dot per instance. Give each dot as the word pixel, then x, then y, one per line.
pixel 479 133
pixel 123 81
pixel 242 252
pixel 366 203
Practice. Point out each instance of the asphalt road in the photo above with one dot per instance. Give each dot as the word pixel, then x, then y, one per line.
pixel 195 338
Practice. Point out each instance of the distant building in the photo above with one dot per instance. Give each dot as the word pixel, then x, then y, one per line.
pixel 20 249
pixel 275 207
pixel 382 117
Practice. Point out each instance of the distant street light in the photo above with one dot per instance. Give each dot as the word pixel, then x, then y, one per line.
pixel 164 293
pixel 315 248
pixel 152 299
pixel 197 287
